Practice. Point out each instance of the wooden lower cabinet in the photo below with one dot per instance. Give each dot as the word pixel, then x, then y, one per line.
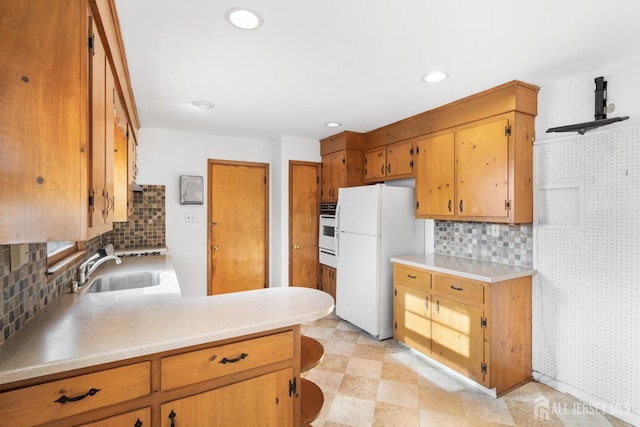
pixel 245 381
pixel 481 330
pixel 260 401
pixel 139 418
pixel 328 280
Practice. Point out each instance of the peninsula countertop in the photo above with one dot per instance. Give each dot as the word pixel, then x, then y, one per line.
pixel 87 329
pixel 465 267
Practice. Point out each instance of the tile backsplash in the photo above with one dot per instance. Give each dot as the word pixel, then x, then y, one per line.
pixel 27 290
pixel 513 245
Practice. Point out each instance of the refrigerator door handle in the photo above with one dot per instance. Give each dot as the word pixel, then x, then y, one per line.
pixel 337 234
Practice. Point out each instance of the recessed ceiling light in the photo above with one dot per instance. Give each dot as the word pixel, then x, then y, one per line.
pixel 203 105
pixel 244 19
pixel 436 76
pixel 333 124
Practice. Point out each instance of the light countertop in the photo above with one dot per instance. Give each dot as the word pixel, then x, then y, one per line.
pixel 86 329
pixel 464 267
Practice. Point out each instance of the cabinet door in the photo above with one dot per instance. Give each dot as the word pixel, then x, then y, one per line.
pixel 375 165
pixel 139 418
pixel 332 171
pixel 328 280
pixel 101 196
pixel 482 175
pixel 413 322
pixel 435 180
pixel 458 337
pixel 400 159
pixel 261 401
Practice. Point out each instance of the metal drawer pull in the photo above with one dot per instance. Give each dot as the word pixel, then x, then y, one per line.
pixel 456 289
pixel 426 302
pixel 65 399
pixel 411 276
pixel 224 361
pixel 172 415
pixel 138 423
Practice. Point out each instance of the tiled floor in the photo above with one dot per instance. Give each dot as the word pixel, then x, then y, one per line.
pixel 367 382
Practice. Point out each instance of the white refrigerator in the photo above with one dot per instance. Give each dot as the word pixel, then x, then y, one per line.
pixel 373 223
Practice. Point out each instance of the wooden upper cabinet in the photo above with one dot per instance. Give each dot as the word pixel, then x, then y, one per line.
pixel 56 130
pixel 435 178
pixel 375 165
pixel 400 160
pixel 342 163
pixel 482 171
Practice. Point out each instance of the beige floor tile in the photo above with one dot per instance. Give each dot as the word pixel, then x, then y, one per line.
pixel 360 387
pixel 525 415
pixel 346 335
pixel 364 367
pixel 364 351
pixel 400 355
pixel 399 373
pixel 486 408
pixel 334 363
pixel 441 401
pixel 351 411
pixel 319 332
pixel 430 376
pixel 398 393
pixel 387 415
pixel 327 381
pixel 338 347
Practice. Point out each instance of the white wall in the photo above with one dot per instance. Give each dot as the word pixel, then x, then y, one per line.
pixel 586 291
pixel 164 155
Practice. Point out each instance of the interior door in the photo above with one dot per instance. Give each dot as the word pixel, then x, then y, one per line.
pixel 304 200
pixel 238 226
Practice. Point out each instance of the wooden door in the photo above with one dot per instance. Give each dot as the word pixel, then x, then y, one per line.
pixel 304 201
pixel 238 226
pixel 261 401
pixel 482 170
pixel 435 179
pixel 458 337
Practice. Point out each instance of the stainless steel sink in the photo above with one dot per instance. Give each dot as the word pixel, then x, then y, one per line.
pixel 125 281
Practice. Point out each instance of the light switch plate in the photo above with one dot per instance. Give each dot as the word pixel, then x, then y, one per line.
pixel 19 255
pixel 495 230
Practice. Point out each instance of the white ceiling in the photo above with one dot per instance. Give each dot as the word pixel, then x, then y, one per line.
pixel 357 62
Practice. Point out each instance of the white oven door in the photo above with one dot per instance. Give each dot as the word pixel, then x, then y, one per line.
pixel 328 258
pixel 327 233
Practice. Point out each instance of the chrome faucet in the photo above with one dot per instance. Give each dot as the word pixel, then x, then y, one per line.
pixel 90 265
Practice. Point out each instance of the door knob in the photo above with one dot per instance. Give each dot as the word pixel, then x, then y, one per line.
pixel 296 247
pixel 216 247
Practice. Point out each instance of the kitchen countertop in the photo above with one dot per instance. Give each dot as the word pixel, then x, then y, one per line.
pixel 465 267
pixel 86 329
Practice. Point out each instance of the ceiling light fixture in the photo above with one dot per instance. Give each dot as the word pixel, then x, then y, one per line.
pixel 244 19
pixel 434 77
pixel 333 124
pixel 203 105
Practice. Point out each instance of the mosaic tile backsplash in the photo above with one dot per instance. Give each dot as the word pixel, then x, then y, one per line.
pixel 27 290
pixel 513 245
pixel 146 226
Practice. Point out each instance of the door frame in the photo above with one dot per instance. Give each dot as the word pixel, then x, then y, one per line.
pixel 318 167
pixel 265 166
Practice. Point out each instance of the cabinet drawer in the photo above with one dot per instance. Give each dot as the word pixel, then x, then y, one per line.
pixel 406 275
pixel 460 289
pixel 59 399
pixel 201 365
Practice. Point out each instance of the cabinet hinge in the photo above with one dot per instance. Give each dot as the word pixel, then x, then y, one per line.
pixel 91 43
pixel 293 387
pixel 418 150
pixel 483 322
pixel 507 130
pixel 91 199
pixel 411 151
pixel 411 164
pixel 483 367
pixel 417 205
pixel 507 205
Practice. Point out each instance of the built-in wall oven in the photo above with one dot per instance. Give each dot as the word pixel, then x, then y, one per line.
pixel 327 242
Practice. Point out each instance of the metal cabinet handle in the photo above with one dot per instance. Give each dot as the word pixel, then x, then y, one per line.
pixel 224 360
pixel 456 288
pixel 64 398
pixel 172 416
pixel 460 206
pixel 410 276
pixel 438 306
pixel 138 423
pixel 449 205
pixel 426 302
